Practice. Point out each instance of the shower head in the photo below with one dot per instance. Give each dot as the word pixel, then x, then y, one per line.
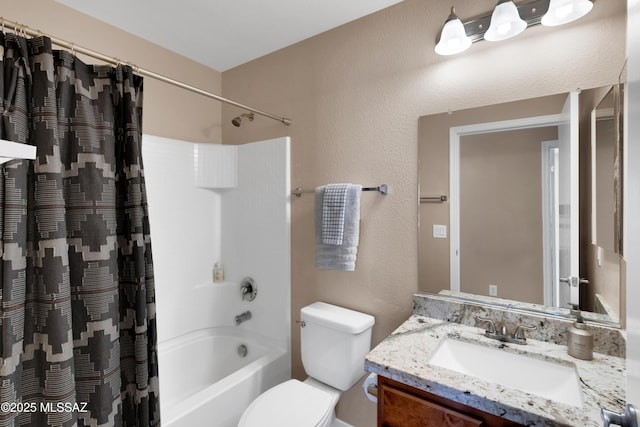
pixel 236 121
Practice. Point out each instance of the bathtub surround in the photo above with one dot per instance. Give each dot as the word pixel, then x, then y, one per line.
pixel 78 298
pixel 214 166
pixel 229 203
pixel 256 236
pixel 185 224
pixel 233 206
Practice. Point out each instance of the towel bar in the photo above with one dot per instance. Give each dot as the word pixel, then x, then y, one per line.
pixel 425 199
pixel 382 189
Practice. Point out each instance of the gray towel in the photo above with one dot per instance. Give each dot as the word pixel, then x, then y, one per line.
pixel 333 209
pixel 339 257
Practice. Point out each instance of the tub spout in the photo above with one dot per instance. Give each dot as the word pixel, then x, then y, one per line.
pixel 243 317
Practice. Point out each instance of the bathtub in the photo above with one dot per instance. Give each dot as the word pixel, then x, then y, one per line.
pixel 206 381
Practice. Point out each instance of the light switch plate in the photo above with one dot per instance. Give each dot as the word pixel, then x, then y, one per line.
pixel 439 231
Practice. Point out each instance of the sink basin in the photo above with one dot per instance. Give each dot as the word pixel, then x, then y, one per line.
pixel 546 379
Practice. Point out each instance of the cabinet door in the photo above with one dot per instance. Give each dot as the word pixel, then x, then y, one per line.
pixel 400 409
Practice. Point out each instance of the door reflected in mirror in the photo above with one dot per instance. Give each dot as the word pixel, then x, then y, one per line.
pixel 502 221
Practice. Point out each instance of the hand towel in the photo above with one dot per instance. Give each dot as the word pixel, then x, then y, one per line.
pixel 333 209
pixel 343 256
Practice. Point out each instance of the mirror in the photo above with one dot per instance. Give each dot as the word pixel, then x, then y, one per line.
pixel 507 238
pixel 606 177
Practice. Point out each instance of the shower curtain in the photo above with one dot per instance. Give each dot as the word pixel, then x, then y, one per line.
pixel 77 315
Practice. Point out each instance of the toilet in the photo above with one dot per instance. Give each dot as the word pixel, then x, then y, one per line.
pixel 334 341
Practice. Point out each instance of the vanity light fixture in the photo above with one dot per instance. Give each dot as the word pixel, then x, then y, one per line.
pixel 564 11
pixel 508 20
pixel 505 22
pixel 453 38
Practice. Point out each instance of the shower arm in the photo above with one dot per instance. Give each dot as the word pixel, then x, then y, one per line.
pixel 24 30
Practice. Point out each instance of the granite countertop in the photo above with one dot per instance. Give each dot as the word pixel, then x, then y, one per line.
pixel 403 356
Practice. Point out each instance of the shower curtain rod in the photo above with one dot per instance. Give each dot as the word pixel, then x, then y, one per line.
pixel 23 29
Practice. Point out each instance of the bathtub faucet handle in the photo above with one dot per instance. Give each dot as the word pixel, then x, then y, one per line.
pixel 249 289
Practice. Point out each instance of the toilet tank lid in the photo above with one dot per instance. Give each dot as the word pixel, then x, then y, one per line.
pixel 339 318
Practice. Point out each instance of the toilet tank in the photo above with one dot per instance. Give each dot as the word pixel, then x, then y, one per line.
pixel 334 341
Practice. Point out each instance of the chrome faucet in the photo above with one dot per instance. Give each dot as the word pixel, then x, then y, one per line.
pixel 248 289
pixel 517 338
pixel 243 317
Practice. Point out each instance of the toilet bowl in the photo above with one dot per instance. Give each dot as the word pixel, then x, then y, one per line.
pixel 334 341
pixel 292 404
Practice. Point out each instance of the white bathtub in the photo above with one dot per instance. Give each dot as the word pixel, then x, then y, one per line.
pixel 205 382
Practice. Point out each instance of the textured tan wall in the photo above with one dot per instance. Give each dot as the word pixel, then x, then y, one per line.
pixel 168 111
pixel 355 95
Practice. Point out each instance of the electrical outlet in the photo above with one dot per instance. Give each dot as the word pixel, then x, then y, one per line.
pixel 493 290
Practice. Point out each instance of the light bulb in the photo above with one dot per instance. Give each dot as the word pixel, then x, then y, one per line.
pixel 565 11
pixel 453 38
pixel 505 22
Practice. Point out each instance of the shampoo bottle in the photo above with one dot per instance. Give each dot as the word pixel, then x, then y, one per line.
pixel 218 273
pixel 580 340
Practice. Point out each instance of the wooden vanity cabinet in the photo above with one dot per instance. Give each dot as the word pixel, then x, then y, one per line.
pixel 400 405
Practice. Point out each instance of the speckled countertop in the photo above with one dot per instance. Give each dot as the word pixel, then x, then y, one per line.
pixel 403 356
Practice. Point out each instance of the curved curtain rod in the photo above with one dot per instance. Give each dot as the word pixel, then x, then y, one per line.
pixel 22 29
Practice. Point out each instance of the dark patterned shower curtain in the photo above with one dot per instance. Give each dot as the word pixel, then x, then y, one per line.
pixel 77 314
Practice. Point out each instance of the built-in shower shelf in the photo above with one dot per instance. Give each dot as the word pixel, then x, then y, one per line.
pixel 215 166
pixel 10 150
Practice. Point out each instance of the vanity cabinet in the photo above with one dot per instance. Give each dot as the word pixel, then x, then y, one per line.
pixel 400 405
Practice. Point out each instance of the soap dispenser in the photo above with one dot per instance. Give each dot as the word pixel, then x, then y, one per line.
pixel 580 339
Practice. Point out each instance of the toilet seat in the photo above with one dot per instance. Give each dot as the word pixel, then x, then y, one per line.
pixel 289 404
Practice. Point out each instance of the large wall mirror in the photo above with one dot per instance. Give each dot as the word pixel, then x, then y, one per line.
pixel 522 202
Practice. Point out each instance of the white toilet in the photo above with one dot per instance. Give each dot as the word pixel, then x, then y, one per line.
pixel 334 342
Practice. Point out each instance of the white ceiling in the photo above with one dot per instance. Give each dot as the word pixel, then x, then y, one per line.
pixel 225 33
